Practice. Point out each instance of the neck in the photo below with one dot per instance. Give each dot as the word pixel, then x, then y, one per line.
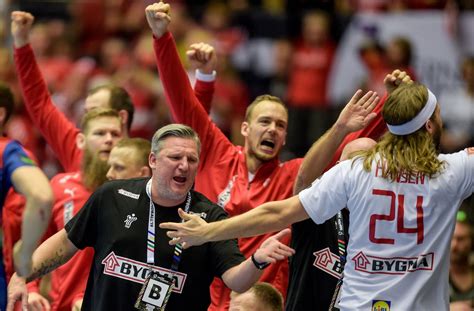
pixel 162 201
pixel 252 163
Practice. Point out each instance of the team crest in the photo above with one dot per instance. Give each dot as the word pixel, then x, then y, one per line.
pixel 130 219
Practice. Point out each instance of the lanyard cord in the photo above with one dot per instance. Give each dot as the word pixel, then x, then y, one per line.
pixel 341 245
pixel 150 248
pixel 341 239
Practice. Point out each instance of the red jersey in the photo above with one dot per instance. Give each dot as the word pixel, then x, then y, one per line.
pixel 69 279
pixel 59 132
pixel 222 174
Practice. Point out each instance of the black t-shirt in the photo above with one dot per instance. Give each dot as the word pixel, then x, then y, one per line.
pixel 311 288
pixel 119 264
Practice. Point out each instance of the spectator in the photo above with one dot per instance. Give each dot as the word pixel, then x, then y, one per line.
pixel 260 297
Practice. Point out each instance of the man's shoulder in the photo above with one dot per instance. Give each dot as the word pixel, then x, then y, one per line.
pixel 133 185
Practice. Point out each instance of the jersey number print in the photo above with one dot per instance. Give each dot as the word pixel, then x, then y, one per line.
pixel 397 213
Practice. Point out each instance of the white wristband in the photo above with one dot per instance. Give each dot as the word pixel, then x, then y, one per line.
pixel 206 77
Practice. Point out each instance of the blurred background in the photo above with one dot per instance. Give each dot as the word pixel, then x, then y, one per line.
pixel 312 54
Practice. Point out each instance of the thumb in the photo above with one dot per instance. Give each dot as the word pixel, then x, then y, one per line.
pixel 191 54
pixel 183 214
pixel 283 233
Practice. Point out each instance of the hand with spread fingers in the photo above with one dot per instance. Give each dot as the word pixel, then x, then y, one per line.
pixel 158 18
pixel 202 56
pixel 273 250
pixel 395 79
pixel 189 233
pixel 358 112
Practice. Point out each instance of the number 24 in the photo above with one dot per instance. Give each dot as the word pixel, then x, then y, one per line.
pixel 399 214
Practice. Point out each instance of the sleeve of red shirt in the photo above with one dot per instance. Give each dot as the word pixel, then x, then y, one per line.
pixel 59 132
pixel 184 105
pixel 373 130
pixel 204 92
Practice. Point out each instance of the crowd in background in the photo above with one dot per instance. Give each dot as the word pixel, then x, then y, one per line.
pixel 284 48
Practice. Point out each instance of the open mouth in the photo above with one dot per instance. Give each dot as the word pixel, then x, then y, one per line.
pixel 179 179
pixel 267 144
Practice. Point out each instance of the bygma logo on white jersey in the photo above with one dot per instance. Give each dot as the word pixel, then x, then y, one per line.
pixel 392 265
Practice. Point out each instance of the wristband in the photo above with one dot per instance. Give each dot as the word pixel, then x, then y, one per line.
pixel 259 265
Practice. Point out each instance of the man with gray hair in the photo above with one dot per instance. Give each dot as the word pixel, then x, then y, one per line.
pixel 132 254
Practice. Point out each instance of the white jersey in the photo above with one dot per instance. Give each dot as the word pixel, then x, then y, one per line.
pixel 400 232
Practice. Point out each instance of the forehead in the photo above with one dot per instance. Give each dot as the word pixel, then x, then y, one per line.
pixel 98 99
pixel 268 108
pixel 104 123
pixel 172 143
pixel 122 154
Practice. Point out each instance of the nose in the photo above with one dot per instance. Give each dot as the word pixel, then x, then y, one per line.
pixel 109 138
pixel 272 127
pixel 184 164
pixel 110 174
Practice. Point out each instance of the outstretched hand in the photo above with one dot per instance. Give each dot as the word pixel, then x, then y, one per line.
pixel 20 27
pixel 158 18
pixel 395 79
pixel 273 250
pixel 203 57
pixel 189 233
pixel 358 112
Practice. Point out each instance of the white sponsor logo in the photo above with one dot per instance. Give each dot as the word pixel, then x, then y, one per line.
pixel 129 194
pixel 68 211
pixel 70 191
pixel 202 215
pixel 328 262
pixel 224 197
pixel 130 219
pixel 136 271
pixel 393 265
pixel 64 179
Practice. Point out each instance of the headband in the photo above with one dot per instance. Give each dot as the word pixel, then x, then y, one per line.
pixel 418 121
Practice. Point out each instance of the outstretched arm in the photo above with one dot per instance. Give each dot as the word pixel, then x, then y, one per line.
pixel 34 185
pixel 330 146
pixel 240 278
pixel 52 253
pixel 356 115
pixel 268 217
pixel 59 132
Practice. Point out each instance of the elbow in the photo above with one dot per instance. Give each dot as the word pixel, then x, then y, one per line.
pixel 42 199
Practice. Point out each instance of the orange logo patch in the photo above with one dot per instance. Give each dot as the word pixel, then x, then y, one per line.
pixel 470 150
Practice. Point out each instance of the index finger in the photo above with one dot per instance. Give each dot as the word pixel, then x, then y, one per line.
pixel 282 233
pixel 170 225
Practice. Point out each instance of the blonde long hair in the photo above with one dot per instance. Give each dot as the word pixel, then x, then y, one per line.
pixel 413 153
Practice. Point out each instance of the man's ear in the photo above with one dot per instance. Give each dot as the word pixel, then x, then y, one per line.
pixel 244 129
pixel 3 116
pixel 152 160
pixel 145 171
pixel 429 126
pixel 123 114
pixel 81 141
